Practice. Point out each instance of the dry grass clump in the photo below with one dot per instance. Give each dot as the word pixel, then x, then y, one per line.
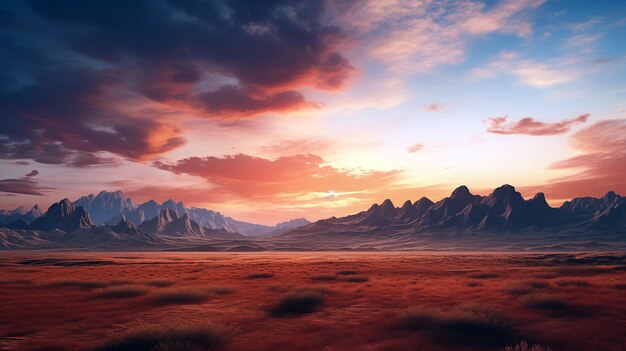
pixel 347 272
pixel 324 278
pixel 120 292
pixel 465 324
pixel 527 287
pixel 355 279
pixel 160 283
pixel 220 290
pixel 259 276
pixel 300 301
pixel 88 284
pixel 619 286
pixel 17 281
pixel 523 346
pixel 181 296
pixel 186 337
pixel 484 275
pixel 545 301
pixel 573 282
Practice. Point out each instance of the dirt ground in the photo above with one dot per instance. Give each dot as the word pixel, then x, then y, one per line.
pixel 316 301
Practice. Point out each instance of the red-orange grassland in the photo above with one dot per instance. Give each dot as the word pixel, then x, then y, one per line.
pixel 42 307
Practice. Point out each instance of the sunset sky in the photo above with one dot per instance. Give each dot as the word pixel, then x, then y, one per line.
pixel 271 110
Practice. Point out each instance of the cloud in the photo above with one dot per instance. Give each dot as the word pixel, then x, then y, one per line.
pixel 298 146
pixel 235 101
pixel 414 148
pixel 26 185
pixel 531 126
pixel 433 107
pixel 414 37
pixel 599 168
pixel 106 88
pixel 69 116
pixel 528 71
pixel 254 177
pixel 266 51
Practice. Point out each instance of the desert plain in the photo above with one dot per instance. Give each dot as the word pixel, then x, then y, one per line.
pixel 311 301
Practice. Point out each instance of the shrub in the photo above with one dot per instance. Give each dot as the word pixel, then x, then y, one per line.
pixel 527 287
pixel 355 279
pixel 259 276
pixel 220 290
pixel 323 278
pixel 174 296
pixel 117 292
pixel 544 301
pixel 160 283
pixel 186 337
pixel 347 272
pixel 523 346
pixel 484 275
pixel 302 301
pixel 417 317
pixel 88 284
pixel 466 324
pixel 17 281
pixel 573 282
pixel 619 286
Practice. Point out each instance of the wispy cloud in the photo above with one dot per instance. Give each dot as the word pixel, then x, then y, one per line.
pixel 531 126
pixel 433 107
pixel 415 148
pixel 415 37
pixel 26 185
pixel 599 167
pixel 528 71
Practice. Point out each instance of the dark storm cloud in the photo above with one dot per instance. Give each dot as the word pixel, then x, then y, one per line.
pixel 261 44
pixel 82 81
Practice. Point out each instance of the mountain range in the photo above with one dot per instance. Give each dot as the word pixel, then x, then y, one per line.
pixel 503 220
pixel 111 207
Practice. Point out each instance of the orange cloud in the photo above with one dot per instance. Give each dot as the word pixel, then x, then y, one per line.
pixel 530 126
pixel 298 146
pixel 254 177
pixel 601 167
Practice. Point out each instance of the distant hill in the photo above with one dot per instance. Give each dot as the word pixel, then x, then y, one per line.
pixel 501 221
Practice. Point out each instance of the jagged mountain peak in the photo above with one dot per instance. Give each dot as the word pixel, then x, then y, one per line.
pixel 387 204
pixel 423 201
pixel 503 197
pixel 63 216
pixel 539 201
pixel 461 191
pixel 169 215
pixel 610 197
pixel 127 227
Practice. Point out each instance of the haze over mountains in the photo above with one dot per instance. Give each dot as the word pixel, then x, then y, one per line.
pixel 111 207
pixel 503 220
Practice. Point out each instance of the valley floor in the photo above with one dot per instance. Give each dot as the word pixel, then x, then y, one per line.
pixel 311 301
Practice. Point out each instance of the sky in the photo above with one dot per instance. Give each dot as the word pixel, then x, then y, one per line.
pixel 272 110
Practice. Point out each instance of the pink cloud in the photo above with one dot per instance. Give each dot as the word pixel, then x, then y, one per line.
pixel 601 166
pixel 414 148
pixel 531 126
pixel 433 107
